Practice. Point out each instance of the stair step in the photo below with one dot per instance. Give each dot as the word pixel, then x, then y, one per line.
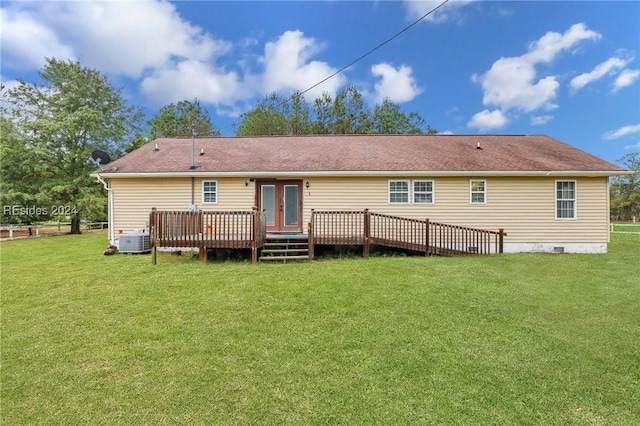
pixel 273 244
pixel 302 250
pixel 305 257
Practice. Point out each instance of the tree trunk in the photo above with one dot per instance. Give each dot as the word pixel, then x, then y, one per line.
pixel 75 225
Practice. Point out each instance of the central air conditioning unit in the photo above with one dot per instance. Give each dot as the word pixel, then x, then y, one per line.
pixel 136 242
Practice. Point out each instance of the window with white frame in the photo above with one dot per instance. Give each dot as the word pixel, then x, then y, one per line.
pixel 478 191
pixel 398 192
pixel 565 199
pixel 210 191
pixel 423 192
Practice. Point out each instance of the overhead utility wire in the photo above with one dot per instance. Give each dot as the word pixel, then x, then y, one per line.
pixel 372 50
pixel 361 57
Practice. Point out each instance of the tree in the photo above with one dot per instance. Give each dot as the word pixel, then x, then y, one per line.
pixel 388 119
pixel 54 128
pixel 277 116
pixel 20 175
pixel 347 113
pixel 179 120
pixel 625 190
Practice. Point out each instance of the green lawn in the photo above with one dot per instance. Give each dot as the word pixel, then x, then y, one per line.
pixel 511 339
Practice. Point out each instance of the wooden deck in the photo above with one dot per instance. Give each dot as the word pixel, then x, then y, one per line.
pixel 247 230
pixel 204 230
pixel 431 238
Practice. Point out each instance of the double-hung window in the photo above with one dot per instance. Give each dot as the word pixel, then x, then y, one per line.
pixel 398 192
pixel 478 191
pixel 210 191
pixel 423 192
pixel 565 199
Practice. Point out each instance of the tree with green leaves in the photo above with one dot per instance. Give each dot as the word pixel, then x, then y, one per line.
pixel 275 115
pixel 20 175
pixel 53 128
pixel 625 190
pixel 181 119
pixel 388 119
pixel 347 113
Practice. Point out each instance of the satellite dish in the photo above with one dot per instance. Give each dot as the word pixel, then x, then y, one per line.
pixel 100 158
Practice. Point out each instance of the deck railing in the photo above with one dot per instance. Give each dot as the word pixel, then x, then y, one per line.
pixel 225 229
pixel 366 228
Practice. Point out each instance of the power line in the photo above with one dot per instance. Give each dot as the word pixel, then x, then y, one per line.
pixel 374 49
pixel 361 57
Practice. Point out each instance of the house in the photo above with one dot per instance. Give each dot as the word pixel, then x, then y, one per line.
pixel 545 194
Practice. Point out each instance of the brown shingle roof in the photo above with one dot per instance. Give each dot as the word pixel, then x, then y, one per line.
pixel 360 153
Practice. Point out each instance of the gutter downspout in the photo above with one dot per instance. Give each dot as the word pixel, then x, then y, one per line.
pixel 112 234
pixel 193 190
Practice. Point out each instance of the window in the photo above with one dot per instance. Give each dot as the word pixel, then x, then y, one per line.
pixel 565 199
pixel 398 192
pixel 423 192
pixel 210 191
pixel 478 191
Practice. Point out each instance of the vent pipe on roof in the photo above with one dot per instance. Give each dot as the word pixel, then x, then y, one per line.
pixel 156 148
pixel 201 151
pixel 193 147
pixel 478 146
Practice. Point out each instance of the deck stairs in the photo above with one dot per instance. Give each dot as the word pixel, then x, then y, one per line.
pixel 284 247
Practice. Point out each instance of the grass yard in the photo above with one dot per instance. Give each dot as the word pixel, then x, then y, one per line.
pixel 511 339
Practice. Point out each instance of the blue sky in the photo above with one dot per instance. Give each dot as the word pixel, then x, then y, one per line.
pixel 570 70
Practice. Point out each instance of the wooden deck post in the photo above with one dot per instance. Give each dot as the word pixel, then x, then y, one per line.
pixel 310 238
pixel 501 241
pixel 426 232
pixel 257 232
pixel 202 254
pixel 153 234
pixel 367 233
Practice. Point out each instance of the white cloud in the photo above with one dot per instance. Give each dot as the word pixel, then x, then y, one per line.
pixel 21 29
pixel 396 84
pixel 150 42
pixel 415 9
pixel 608 67
pixel 129 37
pixel 546 48
pixel 539 120
pixel 622 131
pixel 114 37
pixel 193 79
pixel 512 83
pixel 488 120
pixel 634 147
pixel 626 78
pixel 287 66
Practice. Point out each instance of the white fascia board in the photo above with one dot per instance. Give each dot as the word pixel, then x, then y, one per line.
pixel 349 173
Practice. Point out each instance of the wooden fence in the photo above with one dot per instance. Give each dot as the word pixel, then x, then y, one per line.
pixel 366 228
pixel 10 231
pixel 226 229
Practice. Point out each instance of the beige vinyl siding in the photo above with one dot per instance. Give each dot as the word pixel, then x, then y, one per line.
pixel 523 206
pixel 133 198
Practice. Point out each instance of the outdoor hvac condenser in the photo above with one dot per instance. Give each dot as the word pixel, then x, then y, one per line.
pixel 136 242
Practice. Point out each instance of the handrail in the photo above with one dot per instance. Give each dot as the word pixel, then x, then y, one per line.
pixel 203 229
pixel 365 228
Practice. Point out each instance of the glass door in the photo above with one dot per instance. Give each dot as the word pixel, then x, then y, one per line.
pixel 281 201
